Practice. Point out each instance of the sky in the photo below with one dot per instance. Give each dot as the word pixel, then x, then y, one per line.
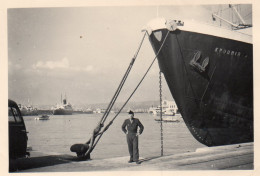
pixel 83 52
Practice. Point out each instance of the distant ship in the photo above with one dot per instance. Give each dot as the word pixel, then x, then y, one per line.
pixel 169 108
pixel 28 110
pixel 63 109
pixel 209 71
pixel 81 111
pixel 88 111
pixel 100 110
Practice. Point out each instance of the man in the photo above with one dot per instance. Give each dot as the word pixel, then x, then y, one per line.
pixel 132 136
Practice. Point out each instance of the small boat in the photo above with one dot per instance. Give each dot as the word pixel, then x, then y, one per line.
pixel 175 118
pixel 43 117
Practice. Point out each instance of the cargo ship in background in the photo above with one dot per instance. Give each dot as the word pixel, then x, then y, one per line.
pixel 209 71
pixel 28 110
pixel 64 108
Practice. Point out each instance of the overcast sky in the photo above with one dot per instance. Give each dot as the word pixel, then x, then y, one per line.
pixel 84 52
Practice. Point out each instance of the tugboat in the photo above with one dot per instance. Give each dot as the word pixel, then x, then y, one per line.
pixel 209 71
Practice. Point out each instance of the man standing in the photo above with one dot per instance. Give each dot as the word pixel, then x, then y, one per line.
pixel 132 136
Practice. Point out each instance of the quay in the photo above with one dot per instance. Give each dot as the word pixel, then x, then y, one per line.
pixel 230 157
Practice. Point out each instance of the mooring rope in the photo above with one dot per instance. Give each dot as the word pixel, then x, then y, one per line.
pixel 103 119
pixel 96 131
pixel 99 135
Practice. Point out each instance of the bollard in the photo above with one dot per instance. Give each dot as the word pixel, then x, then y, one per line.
pixel 81 150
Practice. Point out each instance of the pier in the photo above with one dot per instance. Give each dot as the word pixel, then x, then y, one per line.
pixel 230 157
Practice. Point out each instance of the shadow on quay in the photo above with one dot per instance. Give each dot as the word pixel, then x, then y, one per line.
pixel 143 160
pixel 41 161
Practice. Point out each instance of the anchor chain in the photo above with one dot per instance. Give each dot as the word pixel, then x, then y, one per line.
pixel 161 125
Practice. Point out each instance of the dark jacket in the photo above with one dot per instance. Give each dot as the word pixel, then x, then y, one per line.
pixel 132 127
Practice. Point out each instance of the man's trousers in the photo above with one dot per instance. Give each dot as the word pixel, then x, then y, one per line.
pixel 132 141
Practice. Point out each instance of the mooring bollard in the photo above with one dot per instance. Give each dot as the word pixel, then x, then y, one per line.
pixel 81 150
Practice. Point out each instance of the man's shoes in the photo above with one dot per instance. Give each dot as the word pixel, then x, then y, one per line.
pixel 138 162
pixel 130 161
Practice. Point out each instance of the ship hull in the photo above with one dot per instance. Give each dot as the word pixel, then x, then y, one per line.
pixel 62 112
pixel 29 113
pixel 211 80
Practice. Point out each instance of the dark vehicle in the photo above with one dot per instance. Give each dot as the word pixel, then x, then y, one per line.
pixel 17 132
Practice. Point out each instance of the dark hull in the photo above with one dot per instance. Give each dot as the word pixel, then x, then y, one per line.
pixel 62 112
pixel 216 100
pixel 29 113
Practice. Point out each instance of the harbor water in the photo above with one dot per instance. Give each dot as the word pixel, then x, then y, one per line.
pixel 57 134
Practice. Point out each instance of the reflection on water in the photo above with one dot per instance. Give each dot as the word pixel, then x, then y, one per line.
pixel 60 132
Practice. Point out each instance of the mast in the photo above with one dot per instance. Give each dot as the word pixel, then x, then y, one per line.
pixel 65 99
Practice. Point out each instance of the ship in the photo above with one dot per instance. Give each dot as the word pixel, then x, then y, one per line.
pixel 64 108
pixel 28 110
pixel 88 111
pixel 169 108
pixel 100 110
pixel 209 71
pixel 83 111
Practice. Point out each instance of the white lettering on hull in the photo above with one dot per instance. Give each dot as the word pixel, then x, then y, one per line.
pixel 230 52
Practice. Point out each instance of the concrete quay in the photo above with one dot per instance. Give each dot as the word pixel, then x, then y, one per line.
pixel 230 157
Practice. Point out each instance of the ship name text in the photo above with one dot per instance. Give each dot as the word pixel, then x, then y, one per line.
pixel 229 52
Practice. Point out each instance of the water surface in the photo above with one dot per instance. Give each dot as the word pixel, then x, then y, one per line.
pixel 60 132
